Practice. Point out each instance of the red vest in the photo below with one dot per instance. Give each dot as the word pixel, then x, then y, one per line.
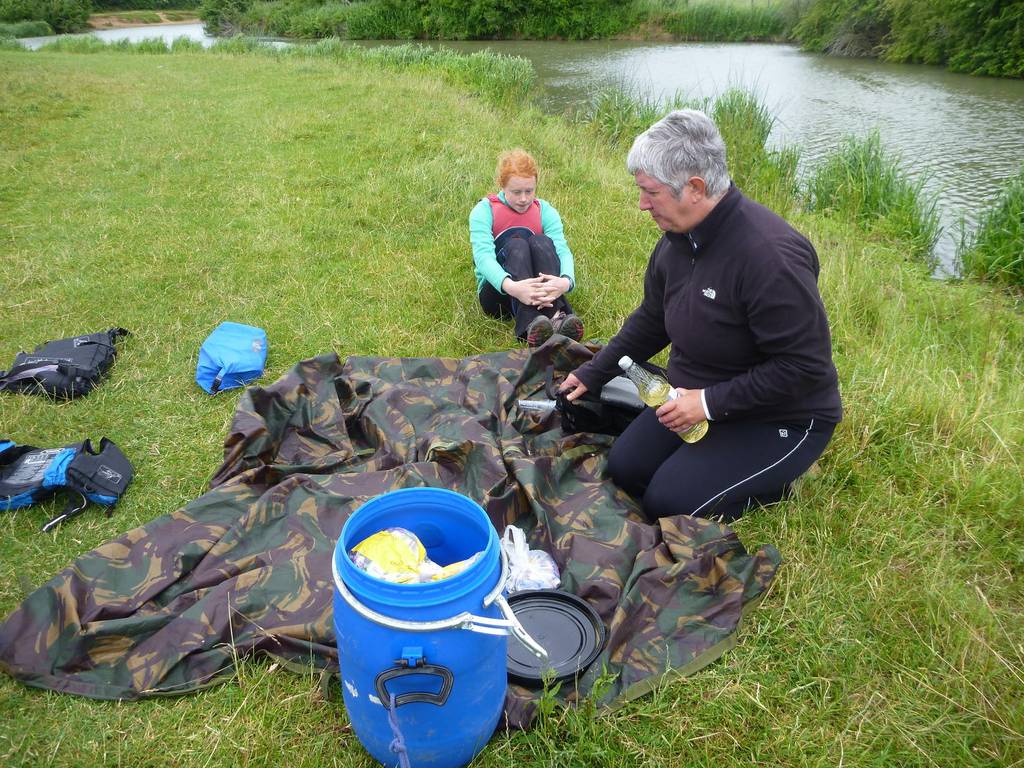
pixel 505 217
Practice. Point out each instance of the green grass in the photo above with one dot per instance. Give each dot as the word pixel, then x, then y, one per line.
pixel 863 182
pixel 324 198
pixel 995 251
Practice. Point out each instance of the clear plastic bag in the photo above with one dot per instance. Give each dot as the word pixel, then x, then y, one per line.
pixel 528 568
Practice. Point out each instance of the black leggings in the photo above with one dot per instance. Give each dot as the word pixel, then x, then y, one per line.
pixel 523 258
pixel 735 465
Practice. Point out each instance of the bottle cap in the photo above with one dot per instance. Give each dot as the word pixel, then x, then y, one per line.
pixel 625 361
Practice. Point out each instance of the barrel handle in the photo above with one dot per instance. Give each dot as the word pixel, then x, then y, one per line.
pixel 465 620
pixel 439 698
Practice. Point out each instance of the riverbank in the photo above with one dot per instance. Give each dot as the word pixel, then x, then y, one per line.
pixel 968 38
pixel 892 633
pixel 123 19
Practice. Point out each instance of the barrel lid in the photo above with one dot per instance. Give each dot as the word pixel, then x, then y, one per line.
pixel 569 629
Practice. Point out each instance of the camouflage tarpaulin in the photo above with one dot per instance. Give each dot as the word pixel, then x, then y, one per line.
pixel 167 607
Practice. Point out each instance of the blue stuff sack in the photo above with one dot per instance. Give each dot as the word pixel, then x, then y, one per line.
pixel 232 356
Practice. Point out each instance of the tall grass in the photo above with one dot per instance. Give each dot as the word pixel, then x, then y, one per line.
pixel 723 22
pixel 862 182
pixel 746 123
pixel 327 20
pixel 620 113
pixel 296 19
pixel 996 249
pixel 89 44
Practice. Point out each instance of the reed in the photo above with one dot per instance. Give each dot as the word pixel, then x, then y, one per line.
pixel 860 180
pixel 619 113
pixel 995 251
pixel 723 22
pixel 769 175
pixel 322 21
pixel 75 44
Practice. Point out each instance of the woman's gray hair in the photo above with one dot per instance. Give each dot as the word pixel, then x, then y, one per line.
pixel 682 144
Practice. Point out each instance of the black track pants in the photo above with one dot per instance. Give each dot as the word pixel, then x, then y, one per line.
pixel 735 465
pixel 522 259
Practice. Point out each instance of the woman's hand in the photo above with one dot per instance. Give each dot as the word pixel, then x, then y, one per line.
pixel 574 386
pixel 530 291
pixel 682 413
pixel 554 286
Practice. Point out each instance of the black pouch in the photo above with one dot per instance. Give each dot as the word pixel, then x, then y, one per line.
pixel 590 414
pixel 608 413
pixel 65 368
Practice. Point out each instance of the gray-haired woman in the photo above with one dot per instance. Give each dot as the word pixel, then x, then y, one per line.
pixel 732 289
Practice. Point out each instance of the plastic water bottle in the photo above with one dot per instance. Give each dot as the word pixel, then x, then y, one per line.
pixel 655 391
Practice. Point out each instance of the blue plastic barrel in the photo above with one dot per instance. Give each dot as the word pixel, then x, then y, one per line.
pixel 439 647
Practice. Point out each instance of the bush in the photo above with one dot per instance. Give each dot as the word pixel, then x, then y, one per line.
pixel 67 15
pixel 983 37
pixel 996 250
pixel 223 16
pixel 61 15
pixel 861 182
pixel 845 27
pixel 25 29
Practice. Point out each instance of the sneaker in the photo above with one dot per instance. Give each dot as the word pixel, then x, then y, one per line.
pixel 571 326
pixel 538 331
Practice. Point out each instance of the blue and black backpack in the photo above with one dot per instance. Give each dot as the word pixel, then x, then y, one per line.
pixel 29 475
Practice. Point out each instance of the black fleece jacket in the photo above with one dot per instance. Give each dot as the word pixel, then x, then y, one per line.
pixel 737 298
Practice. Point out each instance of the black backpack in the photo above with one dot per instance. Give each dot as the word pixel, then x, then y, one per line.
pixel 65 368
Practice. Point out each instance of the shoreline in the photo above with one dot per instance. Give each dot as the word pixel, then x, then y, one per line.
pixel 121 20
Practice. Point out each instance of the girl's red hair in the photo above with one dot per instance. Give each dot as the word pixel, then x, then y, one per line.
pixel 515 162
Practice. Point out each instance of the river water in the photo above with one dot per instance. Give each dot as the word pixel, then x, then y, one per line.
pixel 964 136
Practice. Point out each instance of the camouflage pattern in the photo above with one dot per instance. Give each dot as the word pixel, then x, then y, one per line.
pixel 167 607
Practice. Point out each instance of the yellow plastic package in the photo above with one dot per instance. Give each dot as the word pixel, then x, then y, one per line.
pixel 398 556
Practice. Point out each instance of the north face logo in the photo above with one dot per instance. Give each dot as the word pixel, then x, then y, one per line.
pixel 709 293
